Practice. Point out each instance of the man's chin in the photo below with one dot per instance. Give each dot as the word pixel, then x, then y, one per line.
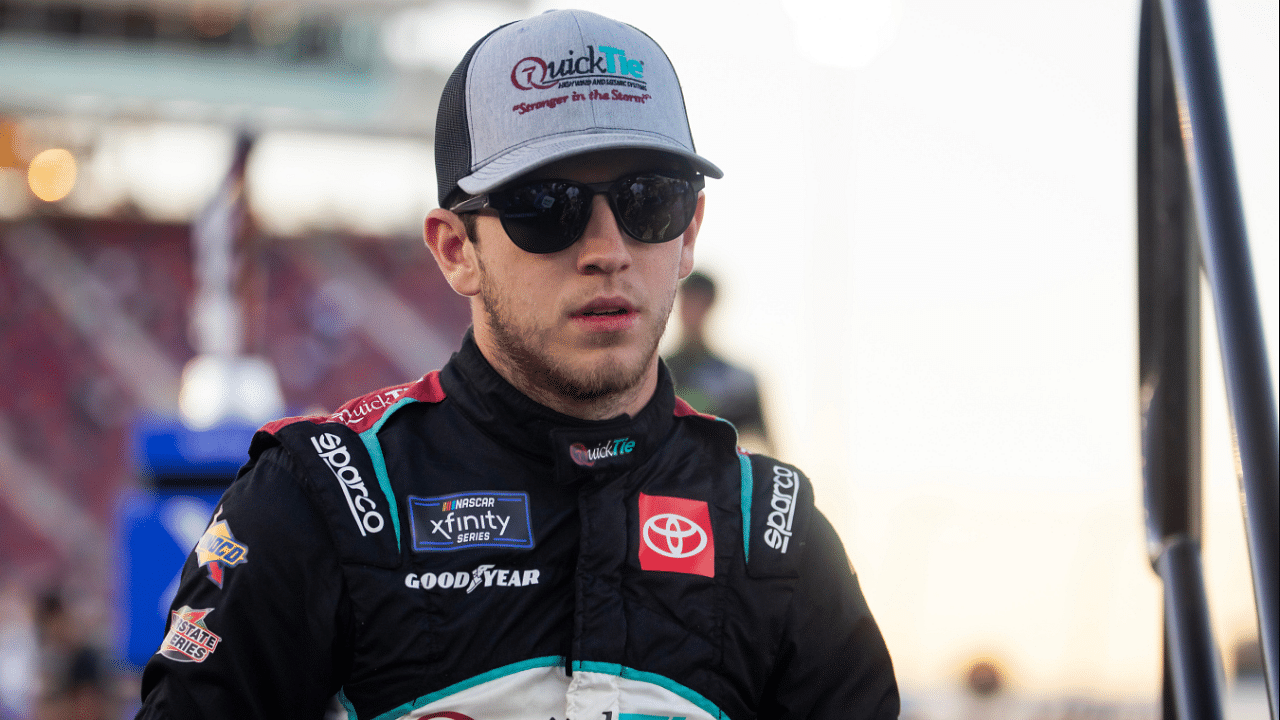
pixel 605 372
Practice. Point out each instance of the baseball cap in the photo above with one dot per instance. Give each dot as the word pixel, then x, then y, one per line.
pixel 556 85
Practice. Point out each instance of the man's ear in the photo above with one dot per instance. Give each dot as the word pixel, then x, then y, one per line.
pixel 690 237
pixel 446 237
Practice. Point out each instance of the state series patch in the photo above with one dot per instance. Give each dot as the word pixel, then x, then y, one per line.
pixel 189 639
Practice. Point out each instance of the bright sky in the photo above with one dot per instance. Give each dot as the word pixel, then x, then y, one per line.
pixel 928 255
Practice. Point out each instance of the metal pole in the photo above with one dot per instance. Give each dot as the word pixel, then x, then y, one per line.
pixel 1169 373
pixel 1196 686
pixel 1224 247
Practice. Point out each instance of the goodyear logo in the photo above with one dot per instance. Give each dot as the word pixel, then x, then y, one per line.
pixel 218 549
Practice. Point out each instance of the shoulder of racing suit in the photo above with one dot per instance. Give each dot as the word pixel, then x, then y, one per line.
pixel 777 505
pixel 344 471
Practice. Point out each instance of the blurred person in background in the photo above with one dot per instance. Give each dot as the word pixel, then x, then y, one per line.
pixel 707 381
pixel 18 654
pixel 73 674
pixel 541 529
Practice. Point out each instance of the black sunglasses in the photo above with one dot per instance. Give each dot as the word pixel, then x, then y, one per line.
pixel 546 216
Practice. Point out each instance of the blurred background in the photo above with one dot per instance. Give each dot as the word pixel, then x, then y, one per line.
pixel 924 249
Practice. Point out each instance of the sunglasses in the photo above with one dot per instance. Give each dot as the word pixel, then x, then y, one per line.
pixel 546 216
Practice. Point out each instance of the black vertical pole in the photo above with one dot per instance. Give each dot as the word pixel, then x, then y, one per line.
pixel 1224 247
pixel 1169 373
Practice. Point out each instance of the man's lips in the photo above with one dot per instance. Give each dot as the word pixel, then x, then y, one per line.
pixel 605 315
pixel 606 307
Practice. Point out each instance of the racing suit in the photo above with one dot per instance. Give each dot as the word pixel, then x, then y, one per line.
pixel 452 549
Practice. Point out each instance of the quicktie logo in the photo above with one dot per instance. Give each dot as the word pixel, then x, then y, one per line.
pixel 587 457
pixel 534 73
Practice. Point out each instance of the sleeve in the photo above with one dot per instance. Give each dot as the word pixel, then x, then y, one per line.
pixel 833 661
pixel 259 625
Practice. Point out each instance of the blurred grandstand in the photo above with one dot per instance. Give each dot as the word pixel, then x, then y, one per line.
pixel 95 316
pixel 180 181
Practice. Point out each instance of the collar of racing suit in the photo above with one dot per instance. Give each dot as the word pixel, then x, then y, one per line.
pixel 580 449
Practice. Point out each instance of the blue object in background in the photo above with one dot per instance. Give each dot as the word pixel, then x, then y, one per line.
pixel 169 452
pixel 186 472
pixel 157 530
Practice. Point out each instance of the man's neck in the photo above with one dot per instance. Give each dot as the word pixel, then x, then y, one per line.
pixel 629 401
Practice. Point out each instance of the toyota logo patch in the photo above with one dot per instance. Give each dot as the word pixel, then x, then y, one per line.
pixel 679 536
pixel 675 536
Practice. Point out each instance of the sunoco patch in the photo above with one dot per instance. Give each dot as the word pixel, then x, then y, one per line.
pixel 467 520
pixel 218 549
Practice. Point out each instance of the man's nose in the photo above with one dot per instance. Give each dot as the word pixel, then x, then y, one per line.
pixel 603 247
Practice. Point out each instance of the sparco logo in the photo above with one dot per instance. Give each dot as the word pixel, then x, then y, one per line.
pixel 607 449
pixel 678 536
pixel 783 512
pixel 338 458
pixel 482 576
pixel 534 73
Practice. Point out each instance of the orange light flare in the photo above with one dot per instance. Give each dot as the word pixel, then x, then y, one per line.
pixel 52 174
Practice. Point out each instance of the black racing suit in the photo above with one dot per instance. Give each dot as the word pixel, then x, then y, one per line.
pixel 452 549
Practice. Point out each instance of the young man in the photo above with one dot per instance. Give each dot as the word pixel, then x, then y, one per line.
pixel 540 529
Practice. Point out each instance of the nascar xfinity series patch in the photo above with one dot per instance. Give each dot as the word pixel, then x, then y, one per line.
pixel 471 519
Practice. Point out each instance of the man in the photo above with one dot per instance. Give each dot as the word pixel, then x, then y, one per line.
pixel 708 382
pixel 539 529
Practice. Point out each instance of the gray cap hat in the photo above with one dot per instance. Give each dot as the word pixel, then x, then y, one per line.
pixel 556 85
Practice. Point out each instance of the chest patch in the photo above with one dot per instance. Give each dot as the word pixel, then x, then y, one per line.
pixel 675 536
pixel 473 519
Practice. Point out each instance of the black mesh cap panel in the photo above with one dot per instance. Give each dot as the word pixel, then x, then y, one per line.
pixel 453 136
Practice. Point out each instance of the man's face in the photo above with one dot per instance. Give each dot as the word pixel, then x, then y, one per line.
pixel 581 324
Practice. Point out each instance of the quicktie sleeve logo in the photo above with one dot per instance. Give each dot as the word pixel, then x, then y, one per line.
pixel 189 639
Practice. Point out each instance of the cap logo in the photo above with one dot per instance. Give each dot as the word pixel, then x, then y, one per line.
pixel 610 66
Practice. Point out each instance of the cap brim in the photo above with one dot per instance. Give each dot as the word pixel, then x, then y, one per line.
pixel 530 157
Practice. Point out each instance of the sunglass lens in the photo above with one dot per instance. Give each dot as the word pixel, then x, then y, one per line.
pixel 545 217
pixel 654 208
pixel 550 215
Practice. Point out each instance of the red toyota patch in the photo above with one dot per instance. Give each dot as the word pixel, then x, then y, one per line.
pixel 675 536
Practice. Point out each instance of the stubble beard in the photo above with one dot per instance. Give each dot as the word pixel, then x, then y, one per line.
pixel 522 350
